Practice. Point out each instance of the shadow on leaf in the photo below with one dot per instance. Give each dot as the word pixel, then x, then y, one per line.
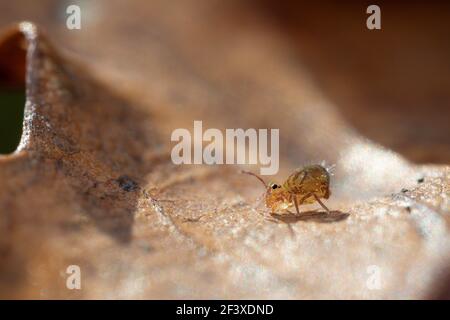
pixel 316 216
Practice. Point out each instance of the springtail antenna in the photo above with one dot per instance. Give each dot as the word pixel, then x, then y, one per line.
pixel 256 176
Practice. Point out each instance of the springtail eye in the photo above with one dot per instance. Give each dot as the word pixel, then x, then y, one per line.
pixel 274 186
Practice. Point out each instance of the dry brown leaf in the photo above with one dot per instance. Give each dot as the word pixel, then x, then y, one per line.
pixel 92 183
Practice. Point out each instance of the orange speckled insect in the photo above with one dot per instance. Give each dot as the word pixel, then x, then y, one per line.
pixel 305 186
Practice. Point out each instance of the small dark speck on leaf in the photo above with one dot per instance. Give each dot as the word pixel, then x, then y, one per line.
pixel 408 209
pixel 127 184
pixel 420 180
pixel 404 190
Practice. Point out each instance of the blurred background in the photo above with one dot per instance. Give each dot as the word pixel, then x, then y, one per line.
pixel 105 99
pixel 392 84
